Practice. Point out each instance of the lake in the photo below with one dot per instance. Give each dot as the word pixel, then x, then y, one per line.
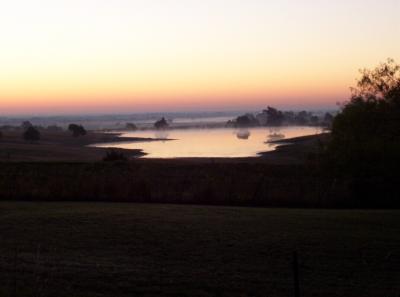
pixel 222 143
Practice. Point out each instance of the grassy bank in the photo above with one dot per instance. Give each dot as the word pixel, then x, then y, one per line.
pixel 292 176
pixel 55 146
pixel 83 249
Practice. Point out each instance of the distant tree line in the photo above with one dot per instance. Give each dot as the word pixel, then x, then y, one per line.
pixel 160 124
pixel 25 125
pixel 272 117
pixel 33 133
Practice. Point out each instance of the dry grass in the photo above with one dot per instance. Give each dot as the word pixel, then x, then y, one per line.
pixel 231 182
pixel 57 146
pixel 84 249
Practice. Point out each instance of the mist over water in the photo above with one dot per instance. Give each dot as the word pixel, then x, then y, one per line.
pixel 224 142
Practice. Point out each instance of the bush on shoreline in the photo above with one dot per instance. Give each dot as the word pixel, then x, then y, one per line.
pixel 115 156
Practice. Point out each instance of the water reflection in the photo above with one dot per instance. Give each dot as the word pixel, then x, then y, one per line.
pixel 243 134
pixel 161 134
pixel 275 136
pixel 226 143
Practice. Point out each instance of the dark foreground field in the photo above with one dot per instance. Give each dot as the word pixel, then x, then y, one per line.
pixel 216 182
pixel 96 249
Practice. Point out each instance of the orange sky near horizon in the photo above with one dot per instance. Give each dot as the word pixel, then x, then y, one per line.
pixel 87 56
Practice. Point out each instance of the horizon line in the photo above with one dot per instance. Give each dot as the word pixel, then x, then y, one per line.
pixel 159 112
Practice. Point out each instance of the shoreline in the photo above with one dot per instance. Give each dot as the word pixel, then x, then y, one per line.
pixel 61 146
pixel 295 150
pixel 288 150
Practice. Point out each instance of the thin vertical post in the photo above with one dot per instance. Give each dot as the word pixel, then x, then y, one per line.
pixel 15 286
pixel 296 275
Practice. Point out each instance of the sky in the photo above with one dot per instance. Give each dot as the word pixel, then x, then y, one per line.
pixel 109 56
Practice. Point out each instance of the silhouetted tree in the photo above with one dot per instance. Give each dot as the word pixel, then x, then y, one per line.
pixel 247 120
pixel 328 119
pixel 275 117
pixel 131 126
pixel 314 120
pixel 77 130
pixel 302 117
pixel 161 124
pixel 366 133
pixel 370 122
pixel 31 134
pixel 289 117
pixel 26 124
pixel 262 118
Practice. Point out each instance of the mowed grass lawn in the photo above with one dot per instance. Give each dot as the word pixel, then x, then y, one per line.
pixel 99 249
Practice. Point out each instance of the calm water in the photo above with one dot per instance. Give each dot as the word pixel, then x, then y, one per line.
pixel 210 142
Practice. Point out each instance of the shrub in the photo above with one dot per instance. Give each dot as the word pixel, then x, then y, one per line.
pixel 115 156
pixel 77 130
pixel 131 126
pixel 31 134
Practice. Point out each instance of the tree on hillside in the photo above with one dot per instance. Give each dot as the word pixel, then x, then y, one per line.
pixel 77 130
pixel 31 134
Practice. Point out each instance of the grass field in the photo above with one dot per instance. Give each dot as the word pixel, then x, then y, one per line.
pixel 58 146
pixel 100 249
